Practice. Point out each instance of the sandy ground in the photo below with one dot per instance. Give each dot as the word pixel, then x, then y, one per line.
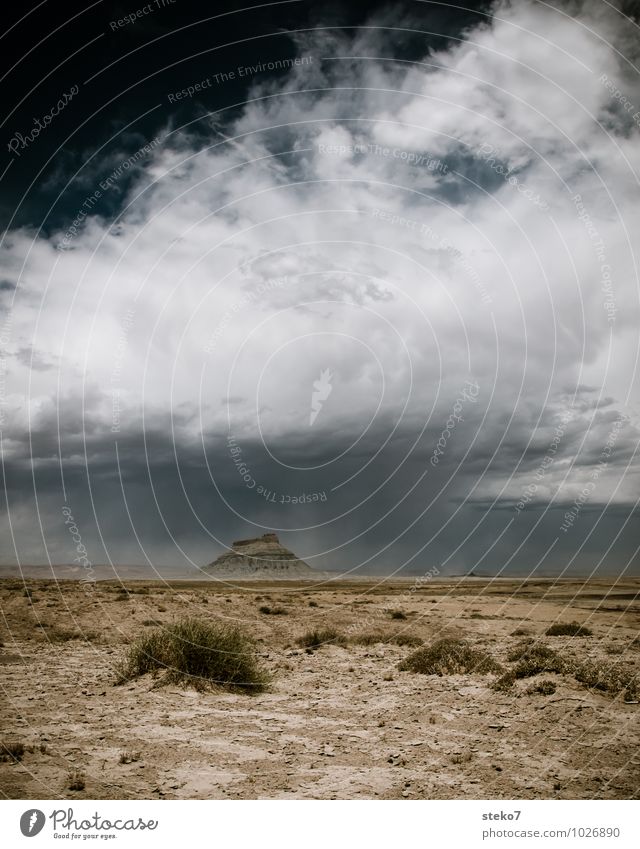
pixel 339 723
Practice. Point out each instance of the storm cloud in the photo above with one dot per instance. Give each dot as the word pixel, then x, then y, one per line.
pixel 433 250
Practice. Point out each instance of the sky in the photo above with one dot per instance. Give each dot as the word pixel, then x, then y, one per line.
pixel 365 277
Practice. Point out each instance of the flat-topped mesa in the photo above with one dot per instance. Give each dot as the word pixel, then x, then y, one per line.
pixel 263 556
pixel 241 543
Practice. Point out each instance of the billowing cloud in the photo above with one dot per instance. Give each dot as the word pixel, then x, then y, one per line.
pixel 445 242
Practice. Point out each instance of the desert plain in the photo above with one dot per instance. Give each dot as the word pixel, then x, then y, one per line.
pixel 340 721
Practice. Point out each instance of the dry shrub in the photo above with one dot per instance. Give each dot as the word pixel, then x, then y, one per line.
pixel 533 658
pixel 568 629
pixel 546 687
pixel 450 657
pixel 610 678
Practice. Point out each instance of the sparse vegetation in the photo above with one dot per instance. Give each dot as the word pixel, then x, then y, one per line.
pixel 534 658
pixel 370 638
pixel 198 653
pixel 321 637
pixel 409 640
pixel 76 779
pixel 11 750
pixel 521 632
pixel 450 657
pixel 313 604
pixel 568 629
pixel 129 757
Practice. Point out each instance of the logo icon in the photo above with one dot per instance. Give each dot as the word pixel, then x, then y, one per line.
pixel 32 822
pixel 321 391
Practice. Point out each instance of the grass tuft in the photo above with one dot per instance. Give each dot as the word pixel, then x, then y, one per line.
pixel 11 750
pixel 75 779
pixel 199 653
pixel 321 637
pixel 398 614
pixel 273 611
